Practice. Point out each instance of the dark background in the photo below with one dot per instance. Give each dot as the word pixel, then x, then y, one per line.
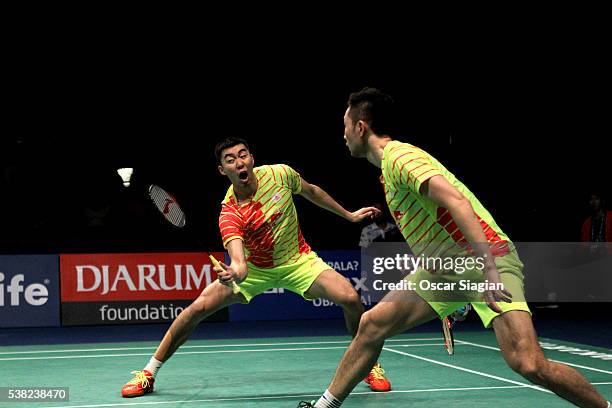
pixel 525 129
pixel 515 102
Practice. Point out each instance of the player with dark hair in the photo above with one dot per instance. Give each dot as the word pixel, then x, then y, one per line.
pixel 259 227
pixel 434 210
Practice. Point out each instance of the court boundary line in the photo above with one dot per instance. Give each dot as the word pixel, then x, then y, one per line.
pixel 469 370
pixel 469 343
pixel 199 352
pixel 517 385
pixel 289 396
pixel 207 346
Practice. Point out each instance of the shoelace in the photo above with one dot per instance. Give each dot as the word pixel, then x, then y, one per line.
pixel 378 372
pixel 139 378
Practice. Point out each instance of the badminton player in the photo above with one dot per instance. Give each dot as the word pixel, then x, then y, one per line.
pixel 432 208
pixel 259 227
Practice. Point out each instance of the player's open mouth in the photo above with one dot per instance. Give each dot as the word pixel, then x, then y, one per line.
pixel 243 175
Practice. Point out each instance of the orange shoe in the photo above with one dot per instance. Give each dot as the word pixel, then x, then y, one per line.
pixel 141 384
pixel 377 380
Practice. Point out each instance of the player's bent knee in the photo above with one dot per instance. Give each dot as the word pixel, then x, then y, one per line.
pixel 529 367
pixel 351 300
pixel 370 328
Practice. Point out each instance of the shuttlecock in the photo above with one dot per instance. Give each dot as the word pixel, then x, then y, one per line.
pixel 126 175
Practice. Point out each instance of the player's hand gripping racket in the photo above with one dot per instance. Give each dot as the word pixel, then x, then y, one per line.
pixel 171 210
pixel 449 341
pixel 214 261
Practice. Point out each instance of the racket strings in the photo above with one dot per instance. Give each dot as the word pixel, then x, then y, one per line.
pixel 168 206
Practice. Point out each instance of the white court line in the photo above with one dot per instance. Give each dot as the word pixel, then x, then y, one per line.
pixel 468 370
pixel 204 346
pixel 285 397
pixel 468 343
pixel 602 383
pixel 192 352
pixel 300 396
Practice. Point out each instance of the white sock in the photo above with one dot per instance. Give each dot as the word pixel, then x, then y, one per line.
pixel 609 404
pixel 328 401
pixel 153 366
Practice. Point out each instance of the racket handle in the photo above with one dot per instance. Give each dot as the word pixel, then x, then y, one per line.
pixel 214 261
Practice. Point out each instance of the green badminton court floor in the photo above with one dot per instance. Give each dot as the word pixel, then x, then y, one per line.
pixel 280 372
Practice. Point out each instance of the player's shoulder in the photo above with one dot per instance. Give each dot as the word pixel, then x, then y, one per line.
pixel 229 200
pixel 396 148
pixel 276 171
pixel 401 152
pixel 274 167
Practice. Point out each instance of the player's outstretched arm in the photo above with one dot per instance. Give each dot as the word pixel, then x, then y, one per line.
pixel 237 270
pixel 318 196
pixel 446 195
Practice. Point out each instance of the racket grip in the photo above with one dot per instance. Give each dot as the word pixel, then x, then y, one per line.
pixel 235 288
pixel 214 261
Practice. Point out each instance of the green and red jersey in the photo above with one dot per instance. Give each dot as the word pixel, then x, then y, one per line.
pixel 268 223
pixel 428 228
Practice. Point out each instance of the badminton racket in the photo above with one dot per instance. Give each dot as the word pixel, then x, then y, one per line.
pixel 169 207
pixel 449 340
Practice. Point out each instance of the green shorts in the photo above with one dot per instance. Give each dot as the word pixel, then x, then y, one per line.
pixel 296 277
pixel 510 270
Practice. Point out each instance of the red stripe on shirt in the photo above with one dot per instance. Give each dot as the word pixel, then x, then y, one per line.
pixel 417 227
pixel 410 220
pixel 411 172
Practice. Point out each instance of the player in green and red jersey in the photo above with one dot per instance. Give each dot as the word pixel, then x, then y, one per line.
pixel 439 217
pixel 259 227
